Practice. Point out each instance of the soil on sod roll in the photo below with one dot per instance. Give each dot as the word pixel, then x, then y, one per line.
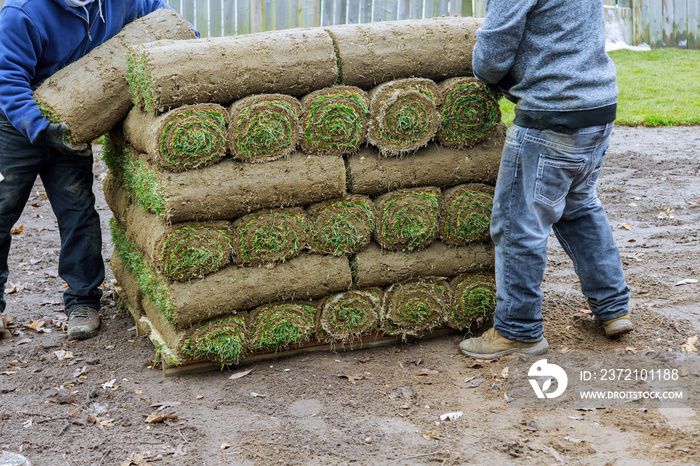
pixel 179 251
pixel 91 94
pixel 293 61
pixel 264 127
pixel 335 120
pixel 189 137
pixel 434 165
pixel 236 289
pixel 270 236
pixel 407 219
pixel 278 326
pixel 231 188
pixel 345 317
pixel 376 267
pixel 403 115
pixel 469 112
pixel 373 53
pixel 473 300
pixel 465 214
pixel 341 226
pixel 416 306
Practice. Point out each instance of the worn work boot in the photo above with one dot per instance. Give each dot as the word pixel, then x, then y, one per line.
pixel 492 345
pixel 618 326
pixel 83 323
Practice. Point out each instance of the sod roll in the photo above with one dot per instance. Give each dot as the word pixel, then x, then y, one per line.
pixel 189 137
pixel 224 69
pixel 91 94
pixel 281 325
pixel 465 214
pixel 473 300
pixel 373 266
pixel 407 219
pixel 221 340
pixel 231 188
pixel 404 115
pixel 180 251
pixel 341 226
pixel 373 53
pixel 269 236
pixel 235 289
pixel 345 317
pixel 129 293
pixel 264 127
pixel 469 112
pixel 335 120
pixel 434 165
pixel 416 306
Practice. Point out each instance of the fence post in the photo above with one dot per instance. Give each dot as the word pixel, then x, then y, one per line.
pixel 637 30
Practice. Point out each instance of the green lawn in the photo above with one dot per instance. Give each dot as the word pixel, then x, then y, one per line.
pixel 657 88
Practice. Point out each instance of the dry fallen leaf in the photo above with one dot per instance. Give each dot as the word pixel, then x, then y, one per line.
pixel 427 372
pixel 689 346
pixel 626 226
pixel 157 417
pixel 18 230
pixel 62 355
pixel 225 445
pixel 352 378
pixel 668 213
pixel 238 375
pixel 687 281
pixel 14 287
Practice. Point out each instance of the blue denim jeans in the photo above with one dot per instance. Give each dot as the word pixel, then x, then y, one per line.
pixel 68 183
pixel 548 180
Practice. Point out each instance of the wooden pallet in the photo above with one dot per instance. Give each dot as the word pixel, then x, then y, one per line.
pixel 372 340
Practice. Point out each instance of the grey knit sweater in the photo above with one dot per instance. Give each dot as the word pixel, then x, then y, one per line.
pixel 549 57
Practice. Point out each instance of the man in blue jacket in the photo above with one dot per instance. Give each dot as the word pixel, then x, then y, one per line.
pixel 38 38
pixel 548 56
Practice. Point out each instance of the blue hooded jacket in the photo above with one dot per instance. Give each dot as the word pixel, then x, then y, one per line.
pixel 41 36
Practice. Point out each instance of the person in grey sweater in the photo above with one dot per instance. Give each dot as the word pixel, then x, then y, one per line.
pixel 548 57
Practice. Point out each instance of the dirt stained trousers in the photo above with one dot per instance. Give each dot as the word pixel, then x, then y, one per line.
pixel 547 180
pixel 68 181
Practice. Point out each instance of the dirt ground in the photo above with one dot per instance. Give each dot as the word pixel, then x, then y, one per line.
pixel 373 406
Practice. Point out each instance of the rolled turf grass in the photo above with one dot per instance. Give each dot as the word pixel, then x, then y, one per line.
pixel 335 120
pixel 151 284
pixel 465 214
pixel 269 236
pixel 435 165
pixel 416 306
pixel 341 226
pixel 473 300
pixel 91 95
pixel 436 48
pixel 278 326
pixel 374 266
pixel 230 188
pixel 294 62
pixel 403 115
pixel 189 137
pixel 220 340
pixel 469 112
pixel 407 219
pixel 345 317
pixel 264 127
pixel 180 251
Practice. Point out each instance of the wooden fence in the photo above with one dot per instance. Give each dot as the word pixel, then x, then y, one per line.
pixel 659 23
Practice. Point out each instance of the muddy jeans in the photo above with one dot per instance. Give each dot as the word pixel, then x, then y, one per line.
pixel 68 183
pixel 547 180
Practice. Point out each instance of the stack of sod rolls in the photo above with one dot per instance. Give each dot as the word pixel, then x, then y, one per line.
pixel 329 207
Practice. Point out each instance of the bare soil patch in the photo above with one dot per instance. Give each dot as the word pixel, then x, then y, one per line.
pixel 374 406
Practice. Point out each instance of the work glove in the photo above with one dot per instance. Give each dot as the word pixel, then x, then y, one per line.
pixel 56 136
